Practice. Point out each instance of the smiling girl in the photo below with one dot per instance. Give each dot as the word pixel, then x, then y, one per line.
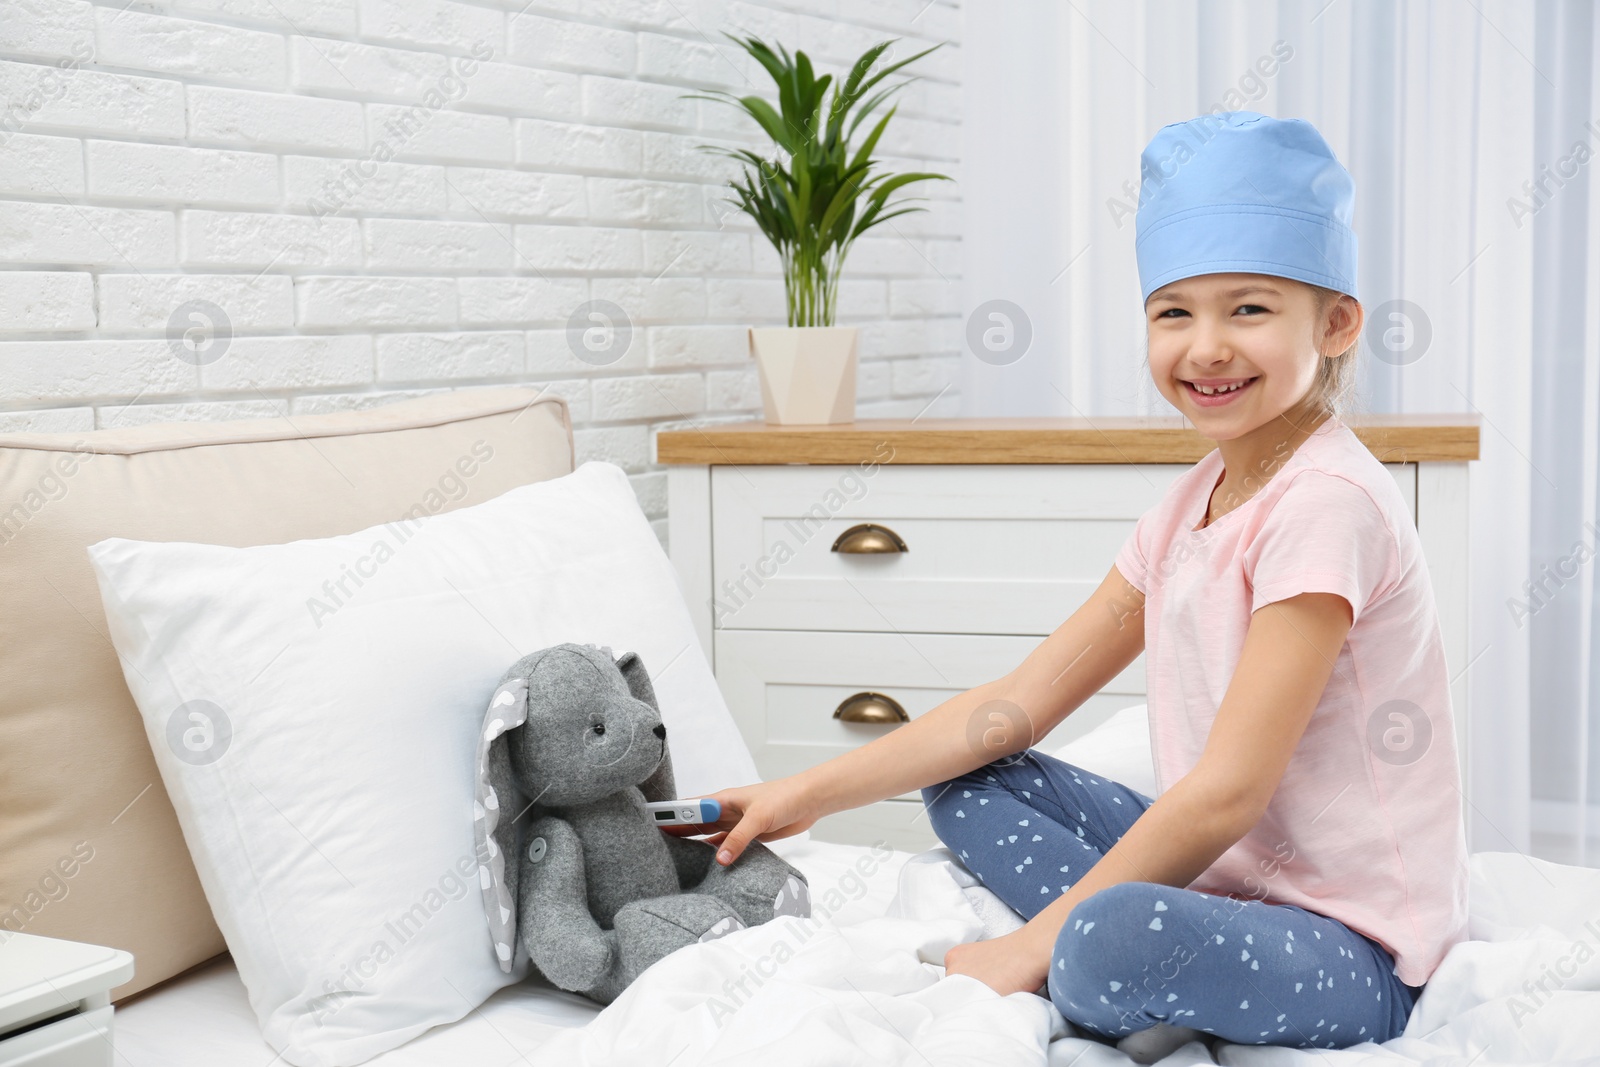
pixel 1299 874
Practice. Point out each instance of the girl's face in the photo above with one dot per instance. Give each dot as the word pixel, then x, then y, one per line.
pixel 1218 330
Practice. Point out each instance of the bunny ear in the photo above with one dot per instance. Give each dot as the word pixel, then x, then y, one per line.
pixel 638 679
pixel 494 811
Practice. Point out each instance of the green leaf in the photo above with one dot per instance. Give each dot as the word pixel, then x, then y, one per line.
pixel 849 190
pixel 804 76
pixel 769 119
pixel 762 54
pixel 886 71
pixel 871 105
pixel 858 70
pixel 866 225
pixel 872 138
pixel 882 192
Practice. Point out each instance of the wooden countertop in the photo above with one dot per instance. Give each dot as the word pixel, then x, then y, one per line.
pixel 1392 438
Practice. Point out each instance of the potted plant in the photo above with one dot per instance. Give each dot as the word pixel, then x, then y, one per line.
pixel 812 199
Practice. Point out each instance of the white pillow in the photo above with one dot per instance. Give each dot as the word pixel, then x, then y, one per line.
pixel 313 708
pixel 1118 749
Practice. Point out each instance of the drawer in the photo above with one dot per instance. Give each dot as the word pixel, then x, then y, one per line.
pixel 784 686
pixel 81 1040
pixel 989 548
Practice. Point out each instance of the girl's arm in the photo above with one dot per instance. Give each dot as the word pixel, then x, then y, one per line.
pixel 1080 658
pixel 1289 653
pixel 1077 660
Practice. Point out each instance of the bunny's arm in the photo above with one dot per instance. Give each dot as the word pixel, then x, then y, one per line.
pixel 562 938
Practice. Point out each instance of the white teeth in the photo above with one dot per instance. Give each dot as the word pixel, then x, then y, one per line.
pixel 1213 392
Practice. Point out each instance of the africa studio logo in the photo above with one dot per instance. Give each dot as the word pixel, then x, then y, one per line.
pixel 999 332
pixel 599 332
pixel 199 732
pixel 199 332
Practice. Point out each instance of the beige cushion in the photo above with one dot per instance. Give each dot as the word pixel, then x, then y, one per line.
pixel 90 849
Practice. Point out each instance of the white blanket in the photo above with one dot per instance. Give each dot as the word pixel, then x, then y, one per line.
pixel 863 987
pixel 870 989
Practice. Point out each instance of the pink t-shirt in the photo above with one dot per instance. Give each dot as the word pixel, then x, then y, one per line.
pixel 1365 826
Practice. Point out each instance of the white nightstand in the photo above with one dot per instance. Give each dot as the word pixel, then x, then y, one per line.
pixel 846 578
pixel 55 1001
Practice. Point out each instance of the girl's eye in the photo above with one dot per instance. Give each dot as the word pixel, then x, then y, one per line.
pixel 599 727
pixel 1180 311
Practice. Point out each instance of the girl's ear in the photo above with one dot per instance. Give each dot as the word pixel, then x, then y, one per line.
pixel 497 801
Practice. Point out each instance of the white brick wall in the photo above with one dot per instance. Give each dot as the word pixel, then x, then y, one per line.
pixel 388 198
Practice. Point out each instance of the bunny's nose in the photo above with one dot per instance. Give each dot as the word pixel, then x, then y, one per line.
pixel 660 730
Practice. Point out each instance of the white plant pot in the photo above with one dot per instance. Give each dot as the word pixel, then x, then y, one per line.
pixel 808 373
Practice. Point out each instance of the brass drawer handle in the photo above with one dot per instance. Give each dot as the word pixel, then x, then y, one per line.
pixel 872 708
pixel 869 537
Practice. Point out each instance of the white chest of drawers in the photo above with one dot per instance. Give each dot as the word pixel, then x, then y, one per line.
pixel 846 578
pixel 55 1000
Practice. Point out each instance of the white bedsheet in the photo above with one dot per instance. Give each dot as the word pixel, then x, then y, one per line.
pixel 866 987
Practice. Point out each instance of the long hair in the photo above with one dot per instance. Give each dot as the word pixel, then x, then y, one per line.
pixel 1335 387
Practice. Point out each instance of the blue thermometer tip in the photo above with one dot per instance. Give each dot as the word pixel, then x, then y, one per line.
pixel 710 810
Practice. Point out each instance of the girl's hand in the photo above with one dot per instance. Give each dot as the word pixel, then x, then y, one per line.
pixel 765 811
pixel 1011 963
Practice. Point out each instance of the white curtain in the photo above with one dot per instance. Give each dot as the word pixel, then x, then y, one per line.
pixel 1472 130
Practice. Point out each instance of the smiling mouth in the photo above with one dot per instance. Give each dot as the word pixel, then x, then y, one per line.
pixel 1240 386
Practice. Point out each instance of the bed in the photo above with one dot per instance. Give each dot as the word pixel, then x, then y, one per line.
pixel 861 981
pixel 867 988
pixel 866 984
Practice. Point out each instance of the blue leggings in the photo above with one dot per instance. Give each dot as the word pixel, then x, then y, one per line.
pixel 1138 953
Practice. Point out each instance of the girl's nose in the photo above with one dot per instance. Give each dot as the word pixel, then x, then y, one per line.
pixel 1206 348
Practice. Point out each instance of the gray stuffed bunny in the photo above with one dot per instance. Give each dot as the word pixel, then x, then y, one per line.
pixel 592 888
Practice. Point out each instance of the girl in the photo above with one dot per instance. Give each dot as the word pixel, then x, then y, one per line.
pixel 1302 869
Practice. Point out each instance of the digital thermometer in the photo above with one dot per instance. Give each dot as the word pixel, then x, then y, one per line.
pixel 684 812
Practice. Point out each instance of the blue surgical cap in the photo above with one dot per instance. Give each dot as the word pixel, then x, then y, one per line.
pixel 1239 191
